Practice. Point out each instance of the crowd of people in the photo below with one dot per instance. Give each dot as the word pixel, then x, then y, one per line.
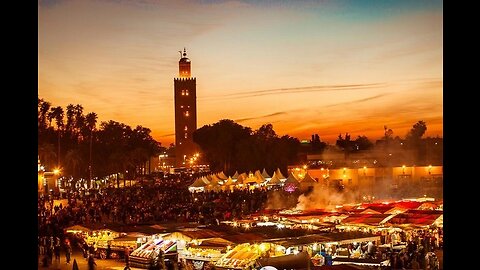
pixel 168 199
pixel 420 250
pixel 160 201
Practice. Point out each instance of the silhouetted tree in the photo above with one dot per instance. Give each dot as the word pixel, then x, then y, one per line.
pixel 417 131
pixel 73 160
pixel 91 122
pixel 114 142
pixel 345 144
pixel 57 114
pixel 414 140
pixel 47 154
pixel 229 146
pixel 218 142
pixel 362 143
pixel 316 145
pixel 43 109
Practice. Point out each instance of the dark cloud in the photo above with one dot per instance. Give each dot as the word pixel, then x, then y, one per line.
pixel 50 3
pixel 359 100
pixel 305 89
pixel 260 117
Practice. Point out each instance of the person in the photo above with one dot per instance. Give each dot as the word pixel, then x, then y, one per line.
pixel 50 254
pixel 84 246
pixel 75 265
pixel 68 252
pixel 127 254
pixel 45 260
pixel 350 250
pixel 370 247
pixel 56 251
pixel 109 251
pixel 415 264
pixel 91 262
pixel 92 249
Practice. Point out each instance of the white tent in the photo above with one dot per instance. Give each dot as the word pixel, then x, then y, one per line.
pixel 241 178
pixel 265 174
pixel 229 182
pixel 198 185
pixel 259 176
pixel 274 180
pixel 222 176
pixel 205 179
pixel 308 179
pixel 291 180
pixel 199 182
pixel 280 175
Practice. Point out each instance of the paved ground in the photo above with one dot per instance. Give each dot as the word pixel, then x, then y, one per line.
pixel 110 264
pixel 440 257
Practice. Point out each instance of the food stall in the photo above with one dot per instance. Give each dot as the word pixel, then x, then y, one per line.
pixel 119 244
pixel 101 241
pixel 204 254
pixel 243 256
pixel 78 231
pixel 151 253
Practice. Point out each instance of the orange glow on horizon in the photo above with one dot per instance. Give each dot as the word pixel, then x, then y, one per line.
pixel 254 64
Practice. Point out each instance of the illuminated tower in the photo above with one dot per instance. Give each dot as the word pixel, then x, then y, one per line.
pixel 185 111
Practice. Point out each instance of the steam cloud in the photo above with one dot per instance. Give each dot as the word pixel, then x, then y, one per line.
pixel 323 198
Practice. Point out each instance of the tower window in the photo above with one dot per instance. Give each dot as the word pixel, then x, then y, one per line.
pixel 186 128
pixel 186 135
pixel 183 92
pixel 186 92
pixel 181 106
pixel 186 113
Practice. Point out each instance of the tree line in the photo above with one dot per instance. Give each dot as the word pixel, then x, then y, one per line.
pixel 228 146
pixel 72 141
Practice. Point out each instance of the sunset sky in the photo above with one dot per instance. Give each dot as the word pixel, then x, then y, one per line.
pixel 325 67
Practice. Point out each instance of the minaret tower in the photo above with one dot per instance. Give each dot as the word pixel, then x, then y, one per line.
pixel 185 91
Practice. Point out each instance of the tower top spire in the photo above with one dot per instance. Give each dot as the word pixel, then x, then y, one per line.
pixel 184 64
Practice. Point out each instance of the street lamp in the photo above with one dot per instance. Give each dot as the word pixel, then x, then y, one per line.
pixel 162 162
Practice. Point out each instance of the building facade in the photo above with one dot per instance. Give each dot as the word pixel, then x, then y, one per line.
pixel 402 180
pixel 185 93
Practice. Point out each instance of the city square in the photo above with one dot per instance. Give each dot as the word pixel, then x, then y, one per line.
pixel 244 134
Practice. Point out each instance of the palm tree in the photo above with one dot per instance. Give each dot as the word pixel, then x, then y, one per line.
pixel 43 108
pixel 70 118
pixel 139 157
pixel 47 154
pixel 73 159
pixel 91 121
pixel 57 114
pixel 79 119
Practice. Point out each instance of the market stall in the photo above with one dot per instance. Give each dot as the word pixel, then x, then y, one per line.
pixel 204 254
pixel 78 231
pixel 153 252
pixel 243 256
pixel 119 244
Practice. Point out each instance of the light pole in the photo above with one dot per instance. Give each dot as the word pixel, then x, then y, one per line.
pixel 162 162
